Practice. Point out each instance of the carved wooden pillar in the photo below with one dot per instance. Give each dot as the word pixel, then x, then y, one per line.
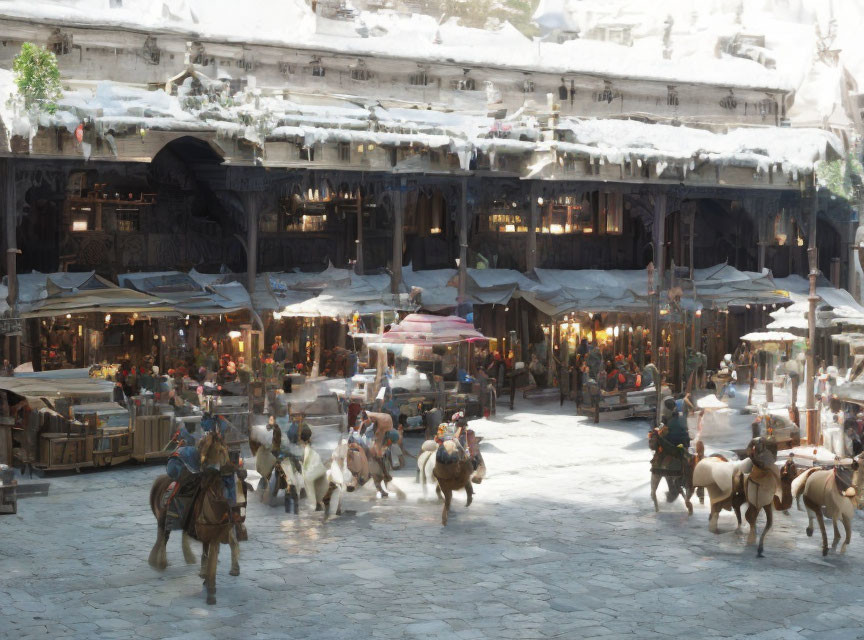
pixel 463 241
pixel 531 241
pixel 7 202
pixel 251 205
pixel 358 265
pixel 398 235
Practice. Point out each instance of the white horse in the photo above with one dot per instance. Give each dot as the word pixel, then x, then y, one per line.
pixel 426 465
pixel 336 476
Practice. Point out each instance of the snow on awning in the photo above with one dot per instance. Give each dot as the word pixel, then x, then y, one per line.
pixel 769 336
pixel 422 329
pixel 795 150
pixel 187 295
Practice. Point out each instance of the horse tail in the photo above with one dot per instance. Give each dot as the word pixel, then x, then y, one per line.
pixel 800 482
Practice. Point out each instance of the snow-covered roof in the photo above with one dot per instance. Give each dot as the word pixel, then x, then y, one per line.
pixel 390 34
pixel 616 140
pixel 114 108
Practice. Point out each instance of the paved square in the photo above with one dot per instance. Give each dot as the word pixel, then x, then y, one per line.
pixel 561 542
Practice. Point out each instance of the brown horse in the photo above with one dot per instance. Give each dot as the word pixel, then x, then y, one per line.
pixel 210 521
pixel 677 467
pixel 821 489
pixel 452 476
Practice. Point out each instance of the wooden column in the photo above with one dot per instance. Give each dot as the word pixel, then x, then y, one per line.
pixel 463 241
pixel 10 227
pixel 659 239
pixel 251 204
pixel 398 235
pixel 358 265
pixel 813 427
pixel 533 219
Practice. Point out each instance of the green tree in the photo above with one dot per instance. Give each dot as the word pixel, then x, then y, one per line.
pixel 37 77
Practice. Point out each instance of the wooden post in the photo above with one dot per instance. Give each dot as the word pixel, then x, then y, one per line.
pixel 463 242
pixel 531 242
pixel 358 265
pixel 813 427
pixel 316 363
pixel 398 236
pixel 659 275
pixel 251 203
pixel 7 185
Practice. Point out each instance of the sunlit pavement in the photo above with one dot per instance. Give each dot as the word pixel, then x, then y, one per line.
pixel 561 542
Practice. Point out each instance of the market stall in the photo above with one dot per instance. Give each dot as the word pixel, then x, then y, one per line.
pixel 431 357
pixel 770 347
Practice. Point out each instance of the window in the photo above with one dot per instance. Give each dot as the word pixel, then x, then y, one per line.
pixel 317 68
pixel 672 97
pixel 344 152
pixel 128 219
pixel 506 217
pixel 567 214
pixel 528 86
pixel 307 153
pixel 611 213
pixel 465 83
pixel 361 73
pixel 607 95
pixel 419 79
pixel 81 218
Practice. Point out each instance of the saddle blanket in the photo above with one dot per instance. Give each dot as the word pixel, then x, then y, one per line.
pixel 178 499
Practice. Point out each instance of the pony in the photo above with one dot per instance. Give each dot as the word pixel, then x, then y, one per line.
pixel 767 489
pixel 724 481
pixel 677 468
pixel 426 464
pixel 838 493
pixel 209 522
pixel 453 471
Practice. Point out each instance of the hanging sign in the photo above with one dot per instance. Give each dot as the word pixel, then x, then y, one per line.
pixel 79 133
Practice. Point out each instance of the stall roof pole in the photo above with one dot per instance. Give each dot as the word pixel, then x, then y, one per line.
pixel 398 232
pixel 812 258
pixel 659 274
pixel 463 241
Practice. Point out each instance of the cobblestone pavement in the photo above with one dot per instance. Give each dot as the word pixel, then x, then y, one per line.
pixel 561 542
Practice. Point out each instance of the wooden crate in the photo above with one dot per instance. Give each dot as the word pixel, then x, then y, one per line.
pixel 9 497
pixel 57 451
pixel 113 445
pixel 151 435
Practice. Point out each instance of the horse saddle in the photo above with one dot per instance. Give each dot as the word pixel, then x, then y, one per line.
pixel 843 480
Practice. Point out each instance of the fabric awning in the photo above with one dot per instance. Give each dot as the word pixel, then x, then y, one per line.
pixel 423 329
pixel 115 300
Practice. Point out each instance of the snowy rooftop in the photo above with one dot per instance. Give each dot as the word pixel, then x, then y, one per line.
pixel 390 34
pixel 116 109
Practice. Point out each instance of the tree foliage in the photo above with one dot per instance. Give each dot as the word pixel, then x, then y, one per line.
pixel 37 77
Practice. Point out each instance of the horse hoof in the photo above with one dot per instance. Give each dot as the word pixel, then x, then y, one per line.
pixel 339 512
pixel 809 532
pixel 842 549
pixel 759 554
pixel 689 509
pixel 211 599
pixel 385 495
pixel 234 572
pixel 824 551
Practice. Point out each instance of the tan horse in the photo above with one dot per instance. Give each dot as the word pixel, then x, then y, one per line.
pixel 210 521
pixel 724 481
pixel 765 489
pixel 820 490
pixel 453 476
